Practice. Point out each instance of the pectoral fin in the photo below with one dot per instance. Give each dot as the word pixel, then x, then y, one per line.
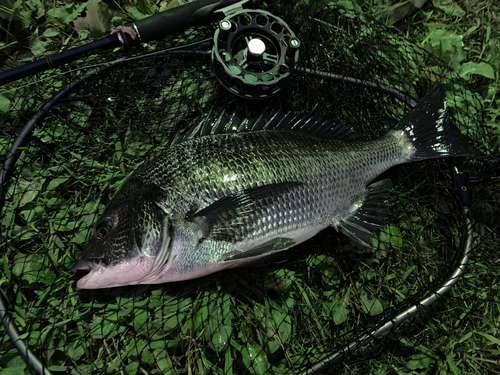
pixel 234 216
pixel 371 215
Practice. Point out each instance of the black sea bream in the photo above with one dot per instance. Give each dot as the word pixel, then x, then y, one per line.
pixel 233 191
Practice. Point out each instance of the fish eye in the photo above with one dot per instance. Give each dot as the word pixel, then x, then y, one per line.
pixel 102 229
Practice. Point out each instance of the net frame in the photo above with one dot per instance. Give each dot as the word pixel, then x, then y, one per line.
pixel 203 93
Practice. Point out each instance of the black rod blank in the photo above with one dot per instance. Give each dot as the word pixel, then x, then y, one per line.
pixel 155 27
pixel 51 62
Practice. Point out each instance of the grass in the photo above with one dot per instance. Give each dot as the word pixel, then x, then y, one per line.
pixel 257 321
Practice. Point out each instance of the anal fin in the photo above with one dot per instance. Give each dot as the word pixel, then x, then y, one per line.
pixel 371 215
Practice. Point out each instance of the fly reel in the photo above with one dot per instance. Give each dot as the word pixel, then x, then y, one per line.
pixel 254 53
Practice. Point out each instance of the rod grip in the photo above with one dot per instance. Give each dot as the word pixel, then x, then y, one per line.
pixel 178 19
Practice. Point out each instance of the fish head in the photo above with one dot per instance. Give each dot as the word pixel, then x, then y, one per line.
pixel 131 241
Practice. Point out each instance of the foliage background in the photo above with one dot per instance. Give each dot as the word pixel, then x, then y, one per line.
pixel 463 33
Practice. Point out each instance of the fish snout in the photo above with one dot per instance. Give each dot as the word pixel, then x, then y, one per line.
pixel 82 266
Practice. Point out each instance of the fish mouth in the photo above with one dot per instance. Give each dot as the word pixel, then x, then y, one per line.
pixel 98 275
pixel 82 267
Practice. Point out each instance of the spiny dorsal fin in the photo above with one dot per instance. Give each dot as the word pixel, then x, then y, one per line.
pixel 311 124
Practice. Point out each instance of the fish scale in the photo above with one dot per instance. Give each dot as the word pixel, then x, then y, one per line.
pixel 270 157
pixel 216 200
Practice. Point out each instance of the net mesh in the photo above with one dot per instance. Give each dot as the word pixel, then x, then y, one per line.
pixel 274 319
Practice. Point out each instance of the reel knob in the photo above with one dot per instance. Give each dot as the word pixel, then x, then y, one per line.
pixel 254 54
pixel 256 47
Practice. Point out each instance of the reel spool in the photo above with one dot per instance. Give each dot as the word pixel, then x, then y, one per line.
pixel 254 53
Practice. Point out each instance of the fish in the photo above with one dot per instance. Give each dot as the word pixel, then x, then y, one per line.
pixel 232 191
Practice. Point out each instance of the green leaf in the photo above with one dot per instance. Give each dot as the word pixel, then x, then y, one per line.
pixel 75 353
pixel 147 357
pixel 32 269
pixel 37 7
pixel 492 339
pixel 56 182
pixel 465 337
pixel 23 264
pixel 255 358
pixel 283 321
pixel 80 237
pixel 50 32
pixel 4 104
pixel 66 14
pixel 173 322
pixel 46 276
pixel 221 334
pixel 408 271
pixel 39 47
pixel 418 3
pixel 13 371
pixel 8 9
pixel 146 7
pixel 28 197
pixel 449 7
pixel 6 268
pixel 15 10
pixel 399 11
pixel 445 45
pixel 451 364
pixel 483 69
pixel 396 238
pixel 228 363
pixel 165 364
pixel 491 94
pixel 132 368
pixel 370 305
pixel 420 361
pixel 340 312
pixel 140 319
pixel 17 362
pixel 100 328
pixel 15 366
pixel 346 4
pixel 135 13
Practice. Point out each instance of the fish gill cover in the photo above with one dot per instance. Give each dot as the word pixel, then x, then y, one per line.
pixel 278 318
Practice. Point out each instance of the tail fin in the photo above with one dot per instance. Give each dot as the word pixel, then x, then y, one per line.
pixel 427 129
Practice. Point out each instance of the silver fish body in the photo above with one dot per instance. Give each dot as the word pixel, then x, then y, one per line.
pixel 216 201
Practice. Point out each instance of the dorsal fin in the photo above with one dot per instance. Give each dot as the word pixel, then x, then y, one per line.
pixel 279 120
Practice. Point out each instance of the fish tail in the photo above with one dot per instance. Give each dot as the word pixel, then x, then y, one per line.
pixel 429 132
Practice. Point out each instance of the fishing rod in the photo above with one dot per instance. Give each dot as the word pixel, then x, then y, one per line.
pixel 155 27
pixel 253 56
